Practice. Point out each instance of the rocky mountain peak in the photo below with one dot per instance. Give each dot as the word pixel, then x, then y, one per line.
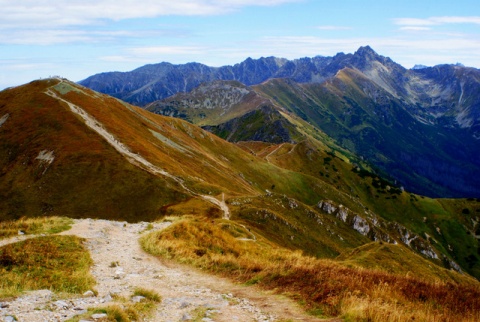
pixel 366 52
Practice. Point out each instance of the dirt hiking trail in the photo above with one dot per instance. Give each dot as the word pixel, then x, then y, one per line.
pixel 185 291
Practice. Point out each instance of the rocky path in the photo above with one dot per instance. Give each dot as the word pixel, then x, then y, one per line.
pixel 120 266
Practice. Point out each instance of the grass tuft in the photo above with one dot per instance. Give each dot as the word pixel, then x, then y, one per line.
pixel 123 310
pixel 31 226
pixel 148 294
pixel 58 263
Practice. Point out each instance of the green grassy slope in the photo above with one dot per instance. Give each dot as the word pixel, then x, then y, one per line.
pixel 371 123
pixel 274 190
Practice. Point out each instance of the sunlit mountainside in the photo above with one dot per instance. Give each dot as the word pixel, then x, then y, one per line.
pixel 313 174
pixel 419 126
pixel 127 163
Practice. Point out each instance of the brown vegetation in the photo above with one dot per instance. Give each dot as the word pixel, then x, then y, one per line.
pixel 42 225
pixel 58 263
pixel 325 287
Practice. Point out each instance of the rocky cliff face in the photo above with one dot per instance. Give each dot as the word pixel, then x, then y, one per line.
pixel 378 229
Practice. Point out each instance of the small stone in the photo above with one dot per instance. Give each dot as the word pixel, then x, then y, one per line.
pixel 108 298
pixel 184 305
pixel 186 317
pixel 9 318
pixel 61 304
pixel 4 305
pixel 21 232
pixel 89 294
pixel 98 316
pixel 138 299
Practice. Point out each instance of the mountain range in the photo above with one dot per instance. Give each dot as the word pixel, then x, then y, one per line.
pixel 313 178
pixel 67 150
pixel 418 127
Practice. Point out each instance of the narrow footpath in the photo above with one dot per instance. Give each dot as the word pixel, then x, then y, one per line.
pixel 185 291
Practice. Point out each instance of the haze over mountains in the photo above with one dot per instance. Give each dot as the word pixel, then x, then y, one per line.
pixel 420 127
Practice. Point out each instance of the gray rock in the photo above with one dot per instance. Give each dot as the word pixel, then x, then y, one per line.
pixel 138 299
pixel 186 317
pixel 61 304
pixel 4 305
pixel 97 316
pixel 184 305
pixel 89 294
pixel 108 298
pixel 10 318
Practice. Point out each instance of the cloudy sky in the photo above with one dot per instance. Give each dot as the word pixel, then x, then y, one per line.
pixel 79 38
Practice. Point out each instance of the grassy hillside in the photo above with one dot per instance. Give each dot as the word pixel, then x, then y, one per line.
pixel 65 266
pixel 312 197
pixel 87 178
pixel 325 288
pixel 372 123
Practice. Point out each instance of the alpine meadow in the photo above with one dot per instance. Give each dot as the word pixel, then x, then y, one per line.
pixel 338 187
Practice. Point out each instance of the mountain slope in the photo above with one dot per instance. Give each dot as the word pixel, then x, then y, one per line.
pixel 52 164
pixel 418 127
pixel 361 116
pixel 68 150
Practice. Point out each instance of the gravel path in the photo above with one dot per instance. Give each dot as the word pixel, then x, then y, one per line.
pixel 185 291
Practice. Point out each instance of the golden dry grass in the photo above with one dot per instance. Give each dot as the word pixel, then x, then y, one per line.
pixel 29 226
pixel 58 263
pixel 325 287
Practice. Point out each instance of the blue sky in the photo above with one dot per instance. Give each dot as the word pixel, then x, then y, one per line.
pixel 79 38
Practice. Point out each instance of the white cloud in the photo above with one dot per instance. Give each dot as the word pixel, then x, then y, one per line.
pixel 172 54
pixel 456 20
pixel 46 22
pixel 413 22
pixel 436 21
pixel 166 50
pixel 44 37
pixel 415 28
pixel 333 28
pixel 49 14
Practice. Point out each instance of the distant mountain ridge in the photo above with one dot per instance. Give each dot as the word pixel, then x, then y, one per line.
pixel 157 81
pixel 442 90
pixel 419 126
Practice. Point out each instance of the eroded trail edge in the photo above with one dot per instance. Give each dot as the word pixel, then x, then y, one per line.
pixel 120 266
